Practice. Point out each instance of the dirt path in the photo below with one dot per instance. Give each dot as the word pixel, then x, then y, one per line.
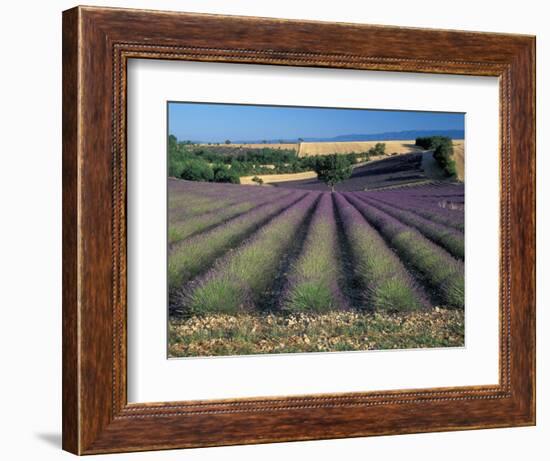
pixel 430 166
pixel 432 170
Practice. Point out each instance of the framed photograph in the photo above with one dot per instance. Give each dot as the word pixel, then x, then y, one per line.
pixel 282 230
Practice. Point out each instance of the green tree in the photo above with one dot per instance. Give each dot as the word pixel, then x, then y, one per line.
pixel 443 151
pixel 172 142
pixel 332 169
pixel 238 167
pixel 223 173
pixel 227 141
pixel 196 170
pixel 431 142
pixel 443 154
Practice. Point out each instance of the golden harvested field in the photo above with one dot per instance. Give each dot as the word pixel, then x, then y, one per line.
pixel 269 178
pixel 307 149
pixel 262 146
pixel 458 153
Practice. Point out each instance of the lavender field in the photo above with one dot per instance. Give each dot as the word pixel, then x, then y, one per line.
pixel 263 270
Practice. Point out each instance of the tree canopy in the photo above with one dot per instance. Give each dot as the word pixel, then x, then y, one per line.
pixel 332 169
pixel 443 152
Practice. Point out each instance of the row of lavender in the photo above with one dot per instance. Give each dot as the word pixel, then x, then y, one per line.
pixel 227 258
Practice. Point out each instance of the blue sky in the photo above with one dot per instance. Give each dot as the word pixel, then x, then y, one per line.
pixel 218 122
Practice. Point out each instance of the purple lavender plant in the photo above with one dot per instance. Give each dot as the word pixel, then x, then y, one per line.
pixel 438 268
pixel 448 238
pixel 239 280
pixel 314 281
pixel 386 285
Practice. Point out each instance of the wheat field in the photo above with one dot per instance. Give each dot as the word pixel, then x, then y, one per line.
pixel 294 146
pixel 271 178
pixel 307 149
pixel 458 154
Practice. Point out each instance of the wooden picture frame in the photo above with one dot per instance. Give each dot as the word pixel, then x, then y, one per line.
pixel 97 43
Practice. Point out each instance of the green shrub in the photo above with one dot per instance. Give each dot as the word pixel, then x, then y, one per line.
pixel 443 152
pixel 424 142
pixel 378 149
pixel 450 168
pixel 175 168
pixel 196 170
pixel 431 142
pixel 223 173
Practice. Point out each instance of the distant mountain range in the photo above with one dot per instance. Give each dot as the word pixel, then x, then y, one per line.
pixel 392 135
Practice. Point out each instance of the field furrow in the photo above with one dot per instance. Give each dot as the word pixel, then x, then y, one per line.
pixel 184 205
pixel 191 256
pixel 450 239
pixel 235 283
pixel 184 228
pixel 437 267
pixel 384 282
pixel 180 208
pixel 428 210
pixel 313 284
